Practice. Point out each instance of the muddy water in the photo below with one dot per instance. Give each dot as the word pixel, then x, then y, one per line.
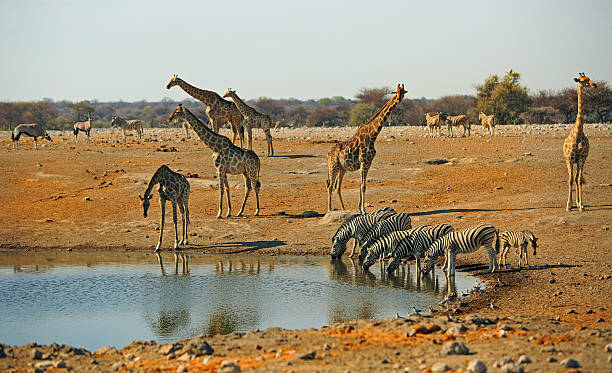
pixel 97 299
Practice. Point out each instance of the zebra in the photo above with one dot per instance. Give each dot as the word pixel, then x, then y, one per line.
pixel 125 125
pixel 460 242
pixel 419 242
pixel 82 127
pixel 398 222
pixel 356 227
pixel 388 243
pixel 516 239
pixel 456 121
pixel 434 121
pixel 29 129
pixel 488 121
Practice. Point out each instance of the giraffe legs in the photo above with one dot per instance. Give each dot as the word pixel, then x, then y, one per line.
pixel 579 168
pixel 570 180
pixel 339 186
pixel 250 137
pixel 247 187
pixel 162 204
pixel 222 183
pixel 184 209
pixel 332 173
pixel 364 175
pixel 175 221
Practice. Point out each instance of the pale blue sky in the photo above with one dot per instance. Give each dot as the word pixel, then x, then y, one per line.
pixel 128 50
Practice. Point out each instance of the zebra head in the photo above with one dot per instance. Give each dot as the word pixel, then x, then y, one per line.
pixel 393 264
pixel 178 113
pixel 146 203
pixel 174 81
pixel 428 265
pixel 338 247
pixel 370 260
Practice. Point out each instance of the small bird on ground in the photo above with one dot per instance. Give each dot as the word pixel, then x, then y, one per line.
pixel 493 307
pixel 415 310
pixel 432 310
pixel 397 316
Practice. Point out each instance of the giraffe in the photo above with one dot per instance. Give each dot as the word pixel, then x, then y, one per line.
pixel 173 187
pixel 253 119
pixel 218 110
pixel 228 159
pixel 576 146
pixel 358 152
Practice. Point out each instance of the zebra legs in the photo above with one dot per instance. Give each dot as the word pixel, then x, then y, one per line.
pixel 492 258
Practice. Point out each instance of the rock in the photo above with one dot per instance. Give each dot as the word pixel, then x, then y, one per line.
pixel 35 354
pixel 608 347
pixel 455 348
pixel 337 217
pixel 511 368
pixel 182 368
pixel 503 361
pixel 168 348
pixel 455 330
pixel 551 359
pixel 570 363
pixel 44 364
pixel 117 366
pixel 310 214
pixel 327 347
pixel 87 199
pixel 502 333
pixel 476 366
pixel 60 364
pixel 308 356
pixel 552 281
pixel 571 311
pixel 475 319
pixel 523 359
pixel 198 346
pixel 229 367
pixel 440 367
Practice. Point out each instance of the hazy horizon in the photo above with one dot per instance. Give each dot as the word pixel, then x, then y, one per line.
pixel 111 51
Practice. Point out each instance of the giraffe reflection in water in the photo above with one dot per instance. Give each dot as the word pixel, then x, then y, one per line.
pixel 178 256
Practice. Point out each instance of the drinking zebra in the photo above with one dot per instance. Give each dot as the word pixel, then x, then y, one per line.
pixel 389 243
pixel 465 241
pixel 29 129
pixel 398 222
pixel 126 125
pixel 518 240
pixel 82 127
pixel 356 227
pixel 418 243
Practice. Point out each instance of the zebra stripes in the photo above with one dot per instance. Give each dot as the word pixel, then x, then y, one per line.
pixel 464 241
pixel 125 125
pixel 418 243
pixel 519 240
pixel 356 227
pixel 390 243
pixel 456 121
pixel 398 222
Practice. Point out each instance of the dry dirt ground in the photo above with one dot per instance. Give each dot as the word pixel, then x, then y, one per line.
pixel 84 197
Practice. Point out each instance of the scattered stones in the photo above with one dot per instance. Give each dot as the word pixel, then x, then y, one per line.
pixel 455 330
pixel 511 368
pixel 440 367
pixel 570 363
pixel 198 346
pixel 503 361
pixel 229 367
pixel 117 366
pixel 523 359
pixel 476 366
pixel 455 348
pixel 35 354
pixel 168 348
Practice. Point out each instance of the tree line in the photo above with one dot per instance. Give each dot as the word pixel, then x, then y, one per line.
pixel 500 95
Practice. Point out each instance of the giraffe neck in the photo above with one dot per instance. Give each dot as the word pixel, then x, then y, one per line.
pixel 207 97
pixel 155 179
pixel 209 137
pixel 374 126
pixel 241 105
pixel 579 117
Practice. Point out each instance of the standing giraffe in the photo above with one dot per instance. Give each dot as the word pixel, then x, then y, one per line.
pixel 218 110
pixel 173 187
pixel 254 119
pixel 358 152
pixel 576 146
pixel 228 159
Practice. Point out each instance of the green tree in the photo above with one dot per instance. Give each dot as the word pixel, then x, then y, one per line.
pixel 361 113
pixel 505 98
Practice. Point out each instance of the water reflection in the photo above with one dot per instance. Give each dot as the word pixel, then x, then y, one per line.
pixel 111 299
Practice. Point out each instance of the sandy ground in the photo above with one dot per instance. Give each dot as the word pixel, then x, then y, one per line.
pixel 82 196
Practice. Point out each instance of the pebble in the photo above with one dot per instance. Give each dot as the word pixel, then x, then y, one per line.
pixel 455 348
pixel 229 367
pixel 609 347
pixel 35 354
pixel 503 361
pixel 571 311
pixel 476 366
pixel 182 368
pixel 551 359
pixel 570 363
pixel 511 368
pixel 308 356
pixel 440 367
pixel 117 366
pixel 523 359
pixel 454 330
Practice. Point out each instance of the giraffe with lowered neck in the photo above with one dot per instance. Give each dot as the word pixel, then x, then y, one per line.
pixel 228 159
pixel 254 119
pixel 576 146
pixel 358 152
pixel 173 187
pixel 218 110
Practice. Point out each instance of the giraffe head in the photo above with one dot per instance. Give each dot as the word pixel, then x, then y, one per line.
pixel 146 202
pixel 584 81
pixel 400 92
pixel 178 113
pixel 229 93
pixel 174 81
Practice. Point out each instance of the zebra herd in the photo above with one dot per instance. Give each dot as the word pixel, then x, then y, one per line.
pixel 434 123
pixel 385 234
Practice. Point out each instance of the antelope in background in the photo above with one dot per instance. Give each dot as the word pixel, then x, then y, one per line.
pixel 82 127
pixel 29 129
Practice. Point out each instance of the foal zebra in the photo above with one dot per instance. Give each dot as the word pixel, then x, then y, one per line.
pixel 418 243
pixel 398 222
pixel 389 243
pixel 356 227
pixel 460 242
pixel 516 239
pixel 82 127
pixel 125 125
